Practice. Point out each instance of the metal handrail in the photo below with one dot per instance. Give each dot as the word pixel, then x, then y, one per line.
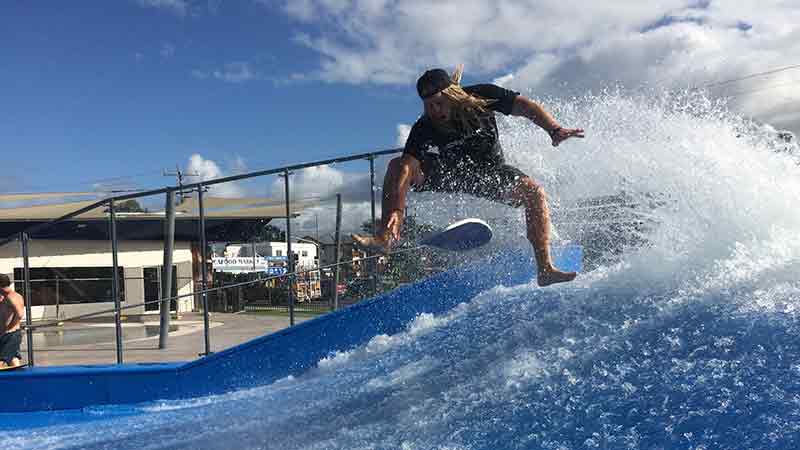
pixel 60 322
pixel 200 187
pixel 33 229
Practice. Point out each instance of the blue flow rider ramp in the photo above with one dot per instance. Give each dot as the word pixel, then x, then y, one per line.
pixel 292 351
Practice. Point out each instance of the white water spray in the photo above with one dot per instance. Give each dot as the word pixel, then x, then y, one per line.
pixel 687 339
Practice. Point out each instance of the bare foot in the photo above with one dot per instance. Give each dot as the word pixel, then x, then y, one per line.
pixel 371 243
pixel 546 278
pixel 16 362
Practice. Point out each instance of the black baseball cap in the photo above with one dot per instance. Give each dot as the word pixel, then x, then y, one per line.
pixel 432 82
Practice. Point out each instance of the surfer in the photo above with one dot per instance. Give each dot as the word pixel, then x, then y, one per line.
pixel 12 310
pixel 454 147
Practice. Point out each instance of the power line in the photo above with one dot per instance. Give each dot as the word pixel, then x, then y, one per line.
pixel 754 75
pixel 92 182
pixel 766 88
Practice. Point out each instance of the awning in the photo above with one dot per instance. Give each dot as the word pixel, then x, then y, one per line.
pixel 222 208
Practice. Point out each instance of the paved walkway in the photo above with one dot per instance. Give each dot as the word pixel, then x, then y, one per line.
pixel 93 343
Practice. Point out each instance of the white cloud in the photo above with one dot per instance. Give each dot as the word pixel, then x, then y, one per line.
pixel 316 187
pixel 239 165
pixel 319 186
pixel 207 169
pixel 302 10
pixel 403 130
pixel 233 72
pixel 559 48
pixel 384 41
pixel 199 74
pixel 323 183
pixel 167 50
pixel 178 7
pixel 505 80
pixel 322 219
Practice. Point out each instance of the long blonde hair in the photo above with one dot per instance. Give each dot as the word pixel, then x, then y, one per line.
pixel 464 107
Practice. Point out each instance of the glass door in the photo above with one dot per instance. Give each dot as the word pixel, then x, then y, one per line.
pixel 152 288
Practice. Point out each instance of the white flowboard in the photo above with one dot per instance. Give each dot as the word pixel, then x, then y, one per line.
pixel 463 235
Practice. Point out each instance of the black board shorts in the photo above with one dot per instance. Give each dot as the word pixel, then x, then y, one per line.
pixel 489 180
pixel 9 346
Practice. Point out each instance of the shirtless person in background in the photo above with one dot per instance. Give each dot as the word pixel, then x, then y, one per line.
pixel 12 310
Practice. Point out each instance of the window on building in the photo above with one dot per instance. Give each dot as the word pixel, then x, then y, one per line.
pixel 278 252
pixel 153 288
pixel 305 252
pixel 69 285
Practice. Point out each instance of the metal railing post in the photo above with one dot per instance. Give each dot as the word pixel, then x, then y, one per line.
pixel 373 262
pixel 289 257
pixel 112 219
pixel 26 276
pixel 166 279
pixel 337 252
pixel 58 299
pixel 204 268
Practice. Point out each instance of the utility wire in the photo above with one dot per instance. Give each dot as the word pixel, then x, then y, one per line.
pixel 754 75
pixel 766 88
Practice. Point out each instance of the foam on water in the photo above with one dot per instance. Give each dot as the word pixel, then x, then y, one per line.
pixel 689 339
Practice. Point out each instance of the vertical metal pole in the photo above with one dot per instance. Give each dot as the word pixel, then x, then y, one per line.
pixel 166 279
pixel 204 268
pixel 373 261
pixel 337 251
pixel 112 228
pixel 253 245
pixel 58 299
pixel 289 259
pixel 26 275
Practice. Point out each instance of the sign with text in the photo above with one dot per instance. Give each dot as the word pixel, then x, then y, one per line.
pixel 248 265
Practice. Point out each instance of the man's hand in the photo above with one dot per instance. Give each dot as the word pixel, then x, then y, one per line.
pixel 559 135
pixel 393 225
pixel 385 238
pixel 525 107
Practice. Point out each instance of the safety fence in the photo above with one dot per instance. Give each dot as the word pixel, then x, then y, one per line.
pixel 209 246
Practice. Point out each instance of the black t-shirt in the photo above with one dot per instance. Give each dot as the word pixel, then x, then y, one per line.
pixel 479 146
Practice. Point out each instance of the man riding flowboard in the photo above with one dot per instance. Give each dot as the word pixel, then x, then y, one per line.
pixel 454 147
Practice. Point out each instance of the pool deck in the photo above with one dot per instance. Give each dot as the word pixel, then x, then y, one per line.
pixel 184 344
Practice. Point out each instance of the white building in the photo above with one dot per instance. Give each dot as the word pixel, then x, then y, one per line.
pixel 308 285
pixel 70 262
pixel 305 253
pixel 70 278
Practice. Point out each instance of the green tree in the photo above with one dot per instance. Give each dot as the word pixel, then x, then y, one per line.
pixel 129 206
pixel 256 230
pixel 409 266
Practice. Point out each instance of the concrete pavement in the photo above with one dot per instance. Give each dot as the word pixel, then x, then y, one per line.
pixel 94 342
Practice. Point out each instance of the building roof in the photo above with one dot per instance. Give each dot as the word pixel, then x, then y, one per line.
pixel 220 214
pixel 26 196
pixel 214 207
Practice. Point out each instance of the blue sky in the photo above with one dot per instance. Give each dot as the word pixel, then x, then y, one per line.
pixel 97 90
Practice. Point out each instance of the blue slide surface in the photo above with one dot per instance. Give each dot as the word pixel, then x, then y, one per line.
pixel 45 394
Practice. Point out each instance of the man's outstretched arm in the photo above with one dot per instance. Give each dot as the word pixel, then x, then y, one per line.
pixel 402 172
pixel 525 107
pixel 400 175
